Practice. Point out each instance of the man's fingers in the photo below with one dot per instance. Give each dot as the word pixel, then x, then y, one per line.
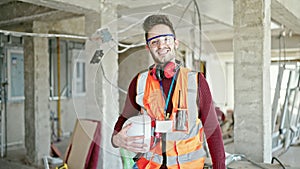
pixel 135 144
pixel 131 143
pixel 135 138
pixel 125 128
pixel 136 147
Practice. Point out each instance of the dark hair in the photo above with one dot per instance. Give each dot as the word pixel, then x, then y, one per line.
pixel 153 20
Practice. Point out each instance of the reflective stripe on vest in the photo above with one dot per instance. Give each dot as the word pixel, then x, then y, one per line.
pixel 173 160
pixel 140 88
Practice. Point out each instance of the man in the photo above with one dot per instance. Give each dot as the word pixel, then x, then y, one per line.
pixel 170 93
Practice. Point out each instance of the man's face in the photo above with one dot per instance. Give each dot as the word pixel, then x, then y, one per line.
pixel 163 47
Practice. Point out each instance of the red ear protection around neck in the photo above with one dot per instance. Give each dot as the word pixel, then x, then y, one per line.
pixel 163 71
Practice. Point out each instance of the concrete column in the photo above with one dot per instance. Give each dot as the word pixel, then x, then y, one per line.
pixel 252 130
pixel 37 113
pixel 94 94
pixel 111 103
pixel 103 96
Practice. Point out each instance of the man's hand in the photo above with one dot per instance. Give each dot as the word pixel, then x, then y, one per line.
pixel 131 143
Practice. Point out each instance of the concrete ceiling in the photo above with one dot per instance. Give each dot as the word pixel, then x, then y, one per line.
pixel 215 19
pixel 14 13
pixel 216 15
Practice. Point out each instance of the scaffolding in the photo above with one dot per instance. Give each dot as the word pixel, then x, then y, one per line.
pixel 286 108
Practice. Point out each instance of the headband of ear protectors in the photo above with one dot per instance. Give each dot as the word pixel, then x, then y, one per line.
pixel 167 70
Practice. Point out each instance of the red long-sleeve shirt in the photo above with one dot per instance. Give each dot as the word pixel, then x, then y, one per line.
pixel 206 113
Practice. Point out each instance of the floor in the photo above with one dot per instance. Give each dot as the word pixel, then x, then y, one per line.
pixel 16 158
pixel 290 158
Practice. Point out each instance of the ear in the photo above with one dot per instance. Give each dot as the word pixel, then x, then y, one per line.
pixel 176 43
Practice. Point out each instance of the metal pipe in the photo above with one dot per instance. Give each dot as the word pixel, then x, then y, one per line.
pixel 58 90
pixel 276 97
pixel 5 115
pixel 285 105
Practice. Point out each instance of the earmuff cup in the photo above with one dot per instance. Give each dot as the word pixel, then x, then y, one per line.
pixel 159 72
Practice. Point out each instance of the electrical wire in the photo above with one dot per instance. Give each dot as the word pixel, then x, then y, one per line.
pixel 275 158
pixel 44 35
pixel 184 11
pixel 200 28
pixel 124 50
pixel 132 45
pixel 199 22
pixel 41 35
pixel 18 34
pixel 115 86
pixel 254 163
pixel 127 47
pixel 237 157
pixel 141 20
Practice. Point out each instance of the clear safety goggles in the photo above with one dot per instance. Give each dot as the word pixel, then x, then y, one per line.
pixel 159 39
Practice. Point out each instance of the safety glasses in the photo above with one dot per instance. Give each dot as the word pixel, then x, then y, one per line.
pixel 159 39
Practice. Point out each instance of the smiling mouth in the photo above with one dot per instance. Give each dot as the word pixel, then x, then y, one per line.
pixel 163 52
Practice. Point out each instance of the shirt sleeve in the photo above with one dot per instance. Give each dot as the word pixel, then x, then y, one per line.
pixel 131 108
pixel 211 125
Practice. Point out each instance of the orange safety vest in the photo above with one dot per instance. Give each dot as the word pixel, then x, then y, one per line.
pixel 183 149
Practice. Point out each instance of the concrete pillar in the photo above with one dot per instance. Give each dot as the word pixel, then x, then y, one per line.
pixel 37 113
pixel 252 130
pixel 94 94
pixel 103 96
pixel 111 103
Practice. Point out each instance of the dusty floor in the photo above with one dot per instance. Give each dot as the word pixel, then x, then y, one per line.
pixel 290 158
pixel 15 158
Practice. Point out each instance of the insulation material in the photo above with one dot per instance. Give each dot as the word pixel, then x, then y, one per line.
pixel 83 150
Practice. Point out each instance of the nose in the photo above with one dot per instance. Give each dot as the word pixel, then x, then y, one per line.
pixel 161 43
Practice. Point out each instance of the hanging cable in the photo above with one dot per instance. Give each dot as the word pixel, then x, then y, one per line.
pixel 274 158
pixel 253 162
pixel 127 47
pixel 142 20
pixel 200 28
pixel 115 86
pixel 184 11
pixel 132 45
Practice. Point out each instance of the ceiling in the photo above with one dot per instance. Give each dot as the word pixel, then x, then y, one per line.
pixel 14 13
pixel 216 17
pixel 184 14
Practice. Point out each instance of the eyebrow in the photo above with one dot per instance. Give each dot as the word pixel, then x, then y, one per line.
pixel 148 40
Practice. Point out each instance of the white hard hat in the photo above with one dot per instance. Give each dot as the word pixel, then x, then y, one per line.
pixel 141 126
